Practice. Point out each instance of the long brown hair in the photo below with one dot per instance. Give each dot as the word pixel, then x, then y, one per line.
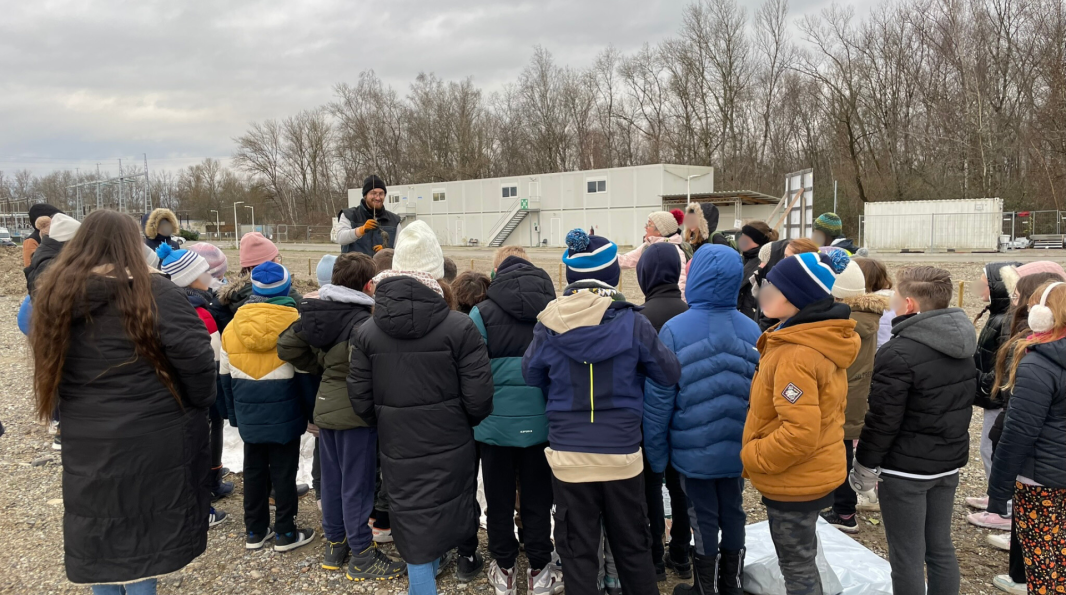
pixel 875 273
pixel 1008 356
pixel 108 245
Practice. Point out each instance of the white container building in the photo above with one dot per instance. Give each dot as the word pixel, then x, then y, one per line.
pixel 539 210
pixel 933 225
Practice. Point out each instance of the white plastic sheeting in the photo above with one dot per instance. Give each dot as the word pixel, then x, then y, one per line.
pixel 847 568
pixel 233 453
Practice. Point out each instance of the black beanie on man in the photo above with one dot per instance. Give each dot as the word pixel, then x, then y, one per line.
pixel 371 183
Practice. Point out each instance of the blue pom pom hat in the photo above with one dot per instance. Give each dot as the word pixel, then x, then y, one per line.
pixel 591 257
pixel 809 277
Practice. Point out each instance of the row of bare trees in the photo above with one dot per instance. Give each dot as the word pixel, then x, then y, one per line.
pixel 921 99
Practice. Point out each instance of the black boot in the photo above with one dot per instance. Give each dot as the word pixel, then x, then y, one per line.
pixel 731 572
pixel 681 564
pixel 703 569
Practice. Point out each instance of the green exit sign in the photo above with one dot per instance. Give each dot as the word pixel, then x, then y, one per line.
pixel 524 204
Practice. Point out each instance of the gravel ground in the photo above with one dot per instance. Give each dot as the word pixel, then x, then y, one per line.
pixel 31 553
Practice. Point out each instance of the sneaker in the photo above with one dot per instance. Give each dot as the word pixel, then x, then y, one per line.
pixel 978 503
pixel 1003 583
pixel 53 428
pixel 57 442
pixel 660 571
pixel 302 489
pixel 503 580
pixel 989 520
pixel 445 561
pixel 612 585
pixel 548 581
pixel 382 535
pixel 224 489
pixel 216 517
pixel 256 541
pixel 284 542
pixel 467 569
pixel 868 504
pixel 1000 541
pixel 682 568
pixel 336 552
pixel 373 564
pixel 846 524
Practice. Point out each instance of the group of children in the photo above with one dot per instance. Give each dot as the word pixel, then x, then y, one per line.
pixel 585 402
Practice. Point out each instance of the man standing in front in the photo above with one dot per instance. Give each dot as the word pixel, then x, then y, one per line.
pixel 368 227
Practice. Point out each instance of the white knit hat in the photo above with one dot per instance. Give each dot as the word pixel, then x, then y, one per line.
pixel 664 222
pixel 850 283
pixel 63 227
pixel 417 249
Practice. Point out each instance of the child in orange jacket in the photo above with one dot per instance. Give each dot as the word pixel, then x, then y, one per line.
pixel 793 446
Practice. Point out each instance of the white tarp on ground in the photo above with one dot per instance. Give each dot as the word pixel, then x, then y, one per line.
pixel 847 568
pixel 233 453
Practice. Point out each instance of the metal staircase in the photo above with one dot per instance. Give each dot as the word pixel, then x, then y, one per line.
pixel 510 221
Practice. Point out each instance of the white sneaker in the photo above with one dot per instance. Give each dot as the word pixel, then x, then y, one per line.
pixel 1000 541
pixel 868 503
pixel 549 581
pixel 382 535
pixel 502 580
pixel 1003 583
pixel 978 503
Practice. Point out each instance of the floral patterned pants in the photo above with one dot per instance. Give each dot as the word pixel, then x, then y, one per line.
pixel 1039 514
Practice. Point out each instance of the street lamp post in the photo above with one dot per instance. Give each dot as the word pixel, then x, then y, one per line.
pixel 236 233
pixel 218 226
pixel 253 215
pixel 688 186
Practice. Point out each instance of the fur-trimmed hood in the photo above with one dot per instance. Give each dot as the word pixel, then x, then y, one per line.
pixel 151 223
pixel 228 294
pixel 868 302
pixel 707 219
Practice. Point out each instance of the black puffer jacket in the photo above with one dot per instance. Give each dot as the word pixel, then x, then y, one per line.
pixel 136 492
pixel 420 373
pixel 748 304
pixel 921 396
pixel 991 336
pixel 43 258
pixel 1033 443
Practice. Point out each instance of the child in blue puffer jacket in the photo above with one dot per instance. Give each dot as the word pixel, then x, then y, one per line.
pixel 590 355
pixel 697 424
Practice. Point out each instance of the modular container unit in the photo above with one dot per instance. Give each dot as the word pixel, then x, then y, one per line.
pixel 933 225
pixel 615 202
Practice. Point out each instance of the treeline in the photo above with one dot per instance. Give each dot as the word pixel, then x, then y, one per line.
pixel 922 99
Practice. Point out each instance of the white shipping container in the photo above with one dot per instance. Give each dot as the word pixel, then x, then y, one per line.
pixel 933 225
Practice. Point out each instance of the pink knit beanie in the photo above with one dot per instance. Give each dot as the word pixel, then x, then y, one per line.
pixel 256 249
pixel 1041 266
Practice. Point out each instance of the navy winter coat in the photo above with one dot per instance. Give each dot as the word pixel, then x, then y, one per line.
pixel 593 378
pixel 697 424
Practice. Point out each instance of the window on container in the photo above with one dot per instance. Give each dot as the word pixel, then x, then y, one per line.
pixel 509 191
pixel 596 186
pixel 439 196
pixel 394 198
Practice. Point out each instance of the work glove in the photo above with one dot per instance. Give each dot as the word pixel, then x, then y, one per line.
pixel 378 248
pixel 863 479
pixel 371 224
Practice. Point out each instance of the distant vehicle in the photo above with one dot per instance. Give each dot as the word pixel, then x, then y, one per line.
pixel 5 237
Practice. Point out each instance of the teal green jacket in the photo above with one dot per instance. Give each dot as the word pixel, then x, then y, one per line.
pixel 506 320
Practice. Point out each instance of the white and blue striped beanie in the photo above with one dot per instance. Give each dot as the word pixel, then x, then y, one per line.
pixel 809 277
pixel 270 279
pixel 591 257
pixel 182 266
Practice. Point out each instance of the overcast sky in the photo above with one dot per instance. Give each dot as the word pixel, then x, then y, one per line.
pixel 83 82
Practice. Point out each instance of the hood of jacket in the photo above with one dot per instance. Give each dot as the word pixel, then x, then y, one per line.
pixel 329 319
pixel 714 277
pixel 152 220
pixel 521 289
pixel 236 290
pixel 998 290
pixel 589 327
pixel 948 331
pixel 867 302
pixel 834 338
pixel 257 326
pixel 404 308
pixel 1054 352
pixel 658 265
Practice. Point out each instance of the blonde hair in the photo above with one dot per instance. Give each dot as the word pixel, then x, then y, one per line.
pixel 1020 343
pixel 503 252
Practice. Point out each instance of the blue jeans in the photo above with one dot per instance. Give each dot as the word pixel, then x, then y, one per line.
pixel 145 587
pixel 422 578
